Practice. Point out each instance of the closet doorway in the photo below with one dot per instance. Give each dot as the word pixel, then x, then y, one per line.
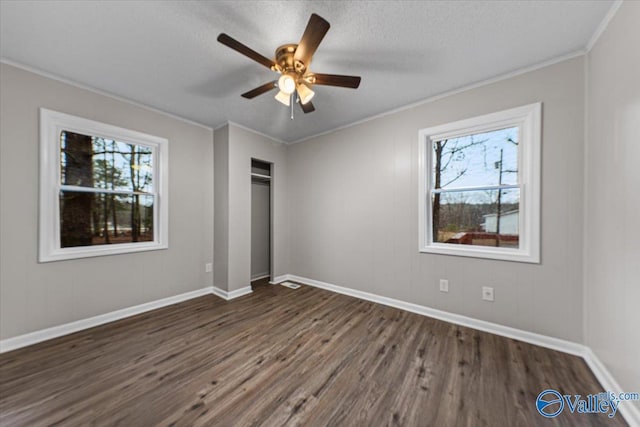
pixel 261 216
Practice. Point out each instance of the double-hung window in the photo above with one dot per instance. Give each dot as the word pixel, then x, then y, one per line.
pixel 480 186
pixel 103 189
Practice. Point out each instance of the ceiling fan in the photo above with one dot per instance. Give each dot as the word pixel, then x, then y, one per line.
pixel 292 61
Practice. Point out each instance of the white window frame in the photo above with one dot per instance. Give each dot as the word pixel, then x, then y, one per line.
pixel 52 123
pixel 528 120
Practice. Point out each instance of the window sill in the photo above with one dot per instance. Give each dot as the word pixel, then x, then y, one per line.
pixel 482 252
pixel 96 251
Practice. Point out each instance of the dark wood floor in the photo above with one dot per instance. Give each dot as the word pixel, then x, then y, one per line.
pixel 286 357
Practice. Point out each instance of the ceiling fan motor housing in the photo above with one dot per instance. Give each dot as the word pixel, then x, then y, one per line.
pixel 292 61
pixel 285 60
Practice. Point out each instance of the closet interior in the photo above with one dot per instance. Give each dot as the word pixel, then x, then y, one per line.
pixel 261 184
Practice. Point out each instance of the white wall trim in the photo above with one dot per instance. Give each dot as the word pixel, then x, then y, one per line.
pixel 220 126
pixel 69 82
pixel 220 293
pixel 229 295
pixel 527 119
pixel 52 124
pixel 260 276
pixel 278 279
pixel 442 95
pixel 629 410
pixel 452 92
pixel 79 325
pixel 240 292
pixel 35 337
pixel 481 325
pixel 603 25
pixel 601 28
pixel 248 129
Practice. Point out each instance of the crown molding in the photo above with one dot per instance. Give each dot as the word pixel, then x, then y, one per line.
pixel 73 83
pixel 592 41
pixel 248 129
pixel 452 92
pixel 600 29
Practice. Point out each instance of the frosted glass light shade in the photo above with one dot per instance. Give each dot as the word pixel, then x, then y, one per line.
pixel 287 84
pixel 284 98
pixel 305 93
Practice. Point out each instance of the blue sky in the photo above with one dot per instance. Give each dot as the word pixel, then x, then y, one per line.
pixel 478 165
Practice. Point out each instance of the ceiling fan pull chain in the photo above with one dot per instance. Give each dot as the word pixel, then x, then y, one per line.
pixel 292 62
pixel 291 102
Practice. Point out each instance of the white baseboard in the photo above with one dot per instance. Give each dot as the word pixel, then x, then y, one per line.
pixel 69 328
pixel 627 409
pixel 260 276
pixel 20 341
pixel 279 279
pixel 494 328
pixel 231 294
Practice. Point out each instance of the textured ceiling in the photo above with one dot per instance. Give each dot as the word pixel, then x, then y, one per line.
pixel 165 54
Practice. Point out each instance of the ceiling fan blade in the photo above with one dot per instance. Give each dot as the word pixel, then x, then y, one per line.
pixel 317 27
pixel 337 80
pixel 245 50
pixel 260 90
pixel 308 107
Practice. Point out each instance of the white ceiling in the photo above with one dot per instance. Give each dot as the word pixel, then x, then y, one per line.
pixel 165 54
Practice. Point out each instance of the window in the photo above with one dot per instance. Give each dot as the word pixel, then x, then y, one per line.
pixel 103 189
pixel 480 186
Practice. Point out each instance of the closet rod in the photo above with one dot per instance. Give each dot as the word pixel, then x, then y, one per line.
pixel 257 175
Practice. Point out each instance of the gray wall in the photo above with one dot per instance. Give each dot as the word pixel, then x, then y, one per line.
pixel 346 208
pixel 221 203
pixel 35 296
pixel 354 209
pixel 234 149
pixel 243 146
pixel 260 225
pixel 612 265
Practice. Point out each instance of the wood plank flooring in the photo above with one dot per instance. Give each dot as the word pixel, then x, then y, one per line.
pixel 286 357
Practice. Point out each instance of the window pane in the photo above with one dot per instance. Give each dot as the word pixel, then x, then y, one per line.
pixel 482 159
pixel 88 219
pixel 479 218
pixel 90 161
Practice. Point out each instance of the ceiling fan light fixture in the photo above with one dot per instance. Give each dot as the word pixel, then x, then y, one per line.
pixel 284 98
pixel 292 62
pixel 287 84
pixel 304 93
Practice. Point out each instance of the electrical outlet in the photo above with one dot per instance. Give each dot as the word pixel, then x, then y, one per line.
pixel 487 293
pixel 444 285
pixel 208 267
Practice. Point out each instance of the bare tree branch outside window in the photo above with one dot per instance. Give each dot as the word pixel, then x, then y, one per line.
pixel 460 213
